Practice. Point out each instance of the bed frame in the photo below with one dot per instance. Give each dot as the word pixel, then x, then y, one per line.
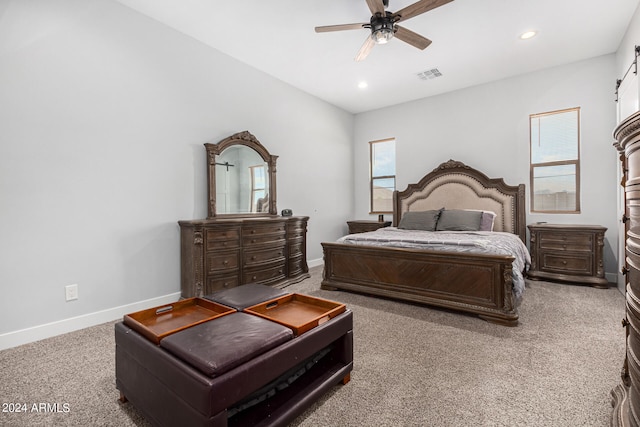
pixel 472 283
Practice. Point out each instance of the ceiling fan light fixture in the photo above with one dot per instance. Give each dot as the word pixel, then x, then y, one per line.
pixel 382 36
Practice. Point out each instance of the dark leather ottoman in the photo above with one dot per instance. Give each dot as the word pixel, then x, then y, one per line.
pixel 178 384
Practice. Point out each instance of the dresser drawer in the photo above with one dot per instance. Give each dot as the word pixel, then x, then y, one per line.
pixel 253 258
pixel 217 283
pixel 298 228
pixel 296 248
pixel 566 263
pixel 222 238
pixel 257 230
pixel 221 261
pixel 263 239
pixel 297 265
pixel 566 241
pixel 264 276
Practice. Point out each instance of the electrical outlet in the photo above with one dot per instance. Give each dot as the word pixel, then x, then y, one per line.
pixel 71 292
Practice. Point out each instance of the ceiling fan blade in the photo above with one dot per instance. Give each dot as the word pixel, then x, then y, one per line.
pixel 376 6
pixel 418 8
pixel 342 27
pixel 365 49
pixel 414 39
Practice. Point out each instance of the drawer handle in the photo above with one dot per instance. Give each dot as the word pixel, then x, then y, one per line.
pixel 253 240
pixel 253 258
pixel 225 285
pixel 254 278
pixel 163 310
pixel 225 262
pixel 564 262
pixel 253 231
pixel 564 246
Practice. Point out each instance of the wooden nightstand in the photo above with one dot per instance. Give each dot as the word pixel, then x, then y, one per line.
pixel 568 253
pixel 364 226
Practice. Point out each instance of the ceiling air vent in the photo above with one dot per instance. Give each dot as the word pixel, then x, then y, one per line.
pixel 429 74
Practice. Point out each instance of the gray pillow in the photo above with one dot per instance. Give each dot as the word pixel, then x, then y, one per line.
pixel 420 220
pixel 459 220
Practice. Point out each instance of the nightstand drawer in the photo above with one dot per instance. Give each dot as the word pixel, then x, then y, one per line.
pixel 365 226
pixel 567 263
pixel 563 242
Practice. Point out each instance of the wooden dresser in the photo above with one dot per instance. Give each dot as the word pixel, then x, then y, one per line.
pixel 568 253
pixel 224 253
pixel 626 396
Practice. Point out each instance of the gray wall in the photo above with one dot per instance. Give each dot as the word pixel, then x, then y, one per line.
pixel 103 113
pixel 487 127
pixel 103 116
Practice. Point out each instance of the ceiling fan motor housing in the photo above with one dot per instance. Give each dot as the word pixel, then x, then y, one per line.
pixel 382 27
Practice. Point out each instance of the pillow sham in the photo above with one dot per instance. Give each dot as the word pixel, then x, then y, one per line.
pixel 459 220
pixel 420 220
pixel 486 222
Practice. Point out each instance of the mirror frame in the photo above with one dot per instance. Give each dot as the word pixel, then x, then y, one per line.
pixel 247 139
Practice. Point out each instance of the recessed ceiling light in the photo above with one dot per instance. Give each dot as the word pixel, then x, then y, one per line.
pixel 363 85
pixel 527 35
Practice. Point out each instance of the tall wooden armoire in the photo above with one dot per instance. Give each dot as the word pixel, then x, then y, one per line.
pixel 626 396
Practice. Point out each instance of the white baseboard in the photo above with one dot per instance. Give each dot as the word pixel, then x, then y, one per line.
pixel 48 330
pixel 315 262
pixel 611 277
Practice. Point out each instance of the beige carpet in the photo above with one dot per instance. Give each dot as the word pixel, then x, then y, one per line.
pixel 413 366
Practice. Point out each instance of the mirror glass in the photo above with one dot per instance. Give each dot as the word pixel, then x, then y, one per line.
pixel 242 181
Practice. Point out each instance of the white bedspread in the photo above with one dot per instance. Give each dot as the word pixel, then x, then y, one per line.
pixel 484 242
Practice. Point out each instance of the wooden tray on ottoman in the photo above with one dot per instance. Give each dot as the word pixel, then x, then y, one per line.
pixel 298 312
pixel 158 322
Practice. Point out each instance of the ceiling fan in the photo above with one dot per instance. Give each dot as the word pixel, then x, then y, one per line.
pixel 384 25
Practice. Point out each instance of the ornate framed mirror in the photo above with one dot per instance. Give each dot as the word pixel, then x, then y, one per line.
pixel 241 177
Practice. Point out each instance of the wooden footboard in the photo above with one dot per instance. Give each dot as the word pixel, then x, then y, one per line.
pixel 473 283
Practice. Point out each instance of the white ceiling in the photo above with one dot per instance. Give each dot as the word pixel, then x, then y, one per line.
pixel 474 42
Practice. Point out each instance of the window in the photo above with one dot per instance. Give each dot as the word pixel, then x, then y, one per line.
pixel 258 188
pixel 382 167
pixel 555 161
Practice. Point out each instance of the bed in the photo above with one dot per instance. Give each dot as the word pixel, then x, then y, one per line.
pixel 390 262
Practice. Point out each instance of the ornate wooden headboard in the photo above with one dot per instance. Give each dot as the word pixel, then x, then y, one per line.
pixel 454 185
